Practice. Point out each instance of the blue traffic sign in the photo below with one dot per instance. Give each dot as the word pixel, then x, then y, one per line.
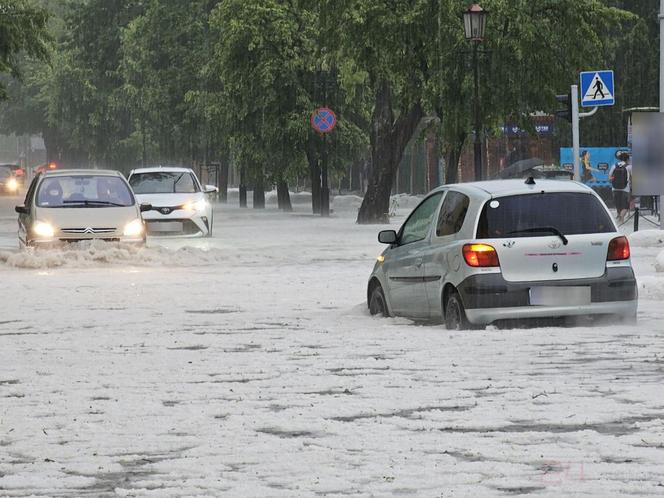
pixel 597 88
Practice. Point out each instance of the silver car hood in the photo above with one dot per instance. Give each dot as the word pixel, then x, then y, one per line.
pixel 83 217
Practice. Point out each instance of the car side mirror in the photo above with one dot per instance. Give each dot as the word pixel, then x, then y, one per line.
pixel 387 237
pixel 21 210
pixel 145 207
pixel 210 189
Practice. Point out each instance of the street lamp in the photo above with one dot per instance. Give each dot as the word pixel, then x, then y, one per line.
pixel 474 20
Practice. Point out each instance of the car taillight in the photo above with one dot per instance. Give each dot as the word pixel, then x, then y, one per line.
pixel 480 255
pixel 618 249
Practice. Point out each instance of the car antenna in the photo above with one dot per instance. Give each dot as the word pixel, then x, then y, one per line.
pixel 530 181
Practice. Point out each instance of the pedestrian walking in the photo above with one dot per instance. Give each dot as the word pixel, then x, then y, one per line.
pixel 599 88
pixel 620 177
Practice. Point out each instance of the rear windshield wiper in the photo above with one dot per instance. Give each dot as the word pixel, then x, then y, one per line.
pixel 552 230
pixel 94 203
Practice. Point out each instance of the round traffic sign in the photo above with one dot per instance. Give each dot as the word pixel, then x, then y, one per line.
pixel 323 120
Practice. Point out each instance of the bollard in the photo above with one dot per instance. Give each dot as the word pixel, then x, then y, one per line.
pixel 636 219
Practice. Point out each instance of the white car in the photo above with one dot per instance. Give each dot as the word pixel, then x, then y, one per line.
pixel 77 205
pixel 180 205
pixel 478 253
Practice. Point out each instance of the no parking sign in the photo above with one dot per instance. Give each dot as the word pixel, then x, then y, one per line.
pixel 323 120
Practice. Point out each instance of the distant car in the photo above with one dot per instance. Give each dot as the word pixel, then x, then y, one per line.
pixel 76 205
pixel 180 204
pixel 43 168
pixel 11 179
pixel 478 253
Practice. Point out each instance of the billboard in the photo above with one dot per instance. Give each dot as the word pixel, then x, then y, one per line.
pixel 648 158
pixel 595 163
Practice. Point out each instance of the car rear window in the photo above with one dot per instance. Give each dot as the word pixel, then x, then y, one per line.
pixel 571 213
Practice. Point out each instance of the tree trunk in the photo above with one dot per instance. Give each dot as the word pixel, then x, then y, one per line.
pixel 243 187
pixel 222 181
pixel 283 196
pixel 453 155
pixel 314 172
pixel 259 191
pixel 433 178
pixel 388 142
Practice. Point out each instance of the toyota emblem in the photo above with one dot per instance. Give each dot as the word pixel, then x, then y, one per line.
pixel 165 210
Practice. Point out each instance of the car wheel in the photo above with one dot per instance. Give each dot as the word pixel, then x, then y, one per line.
pixel 209 234
pixel 377 303
pixel 455 315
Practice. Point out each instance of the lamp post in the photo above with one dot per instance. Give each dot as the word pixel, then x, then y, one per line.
pixel 474 21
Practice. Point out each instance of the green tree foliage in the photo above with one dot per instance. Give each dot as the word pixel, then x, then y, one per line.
pixel 22 30
pixel 147 81
pixel 631 49
pixel 165 53
pixel 533 50
pixel 388 44
pixel 87 103
pixel 273 74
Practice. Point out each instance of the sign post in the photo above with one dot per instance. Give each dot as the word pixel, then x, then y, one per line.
pixel 574 93
pixel 661 91
pixel 323 120
pixel 597 89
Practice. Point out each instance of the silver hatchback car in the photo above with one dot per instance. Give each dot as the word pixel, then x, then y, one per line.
pixel 477 253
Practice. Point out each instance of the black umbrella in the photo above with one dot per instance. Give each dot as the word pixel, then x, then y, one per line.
pixel 517 169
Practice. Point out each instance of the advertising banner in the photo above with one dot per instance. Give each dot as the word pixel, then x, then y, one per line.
pixel 595 163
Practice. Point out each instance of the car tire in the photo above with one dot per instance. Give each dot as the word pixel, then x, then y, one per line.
pixel 377 302
pixel 210 224
pixel 455 314
pixel 209 234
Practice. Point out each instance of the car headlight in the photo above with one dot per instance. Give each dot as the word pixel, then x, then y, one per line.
pixel 196 206
pixel 133 228
pixel 12 184
pixel 43 229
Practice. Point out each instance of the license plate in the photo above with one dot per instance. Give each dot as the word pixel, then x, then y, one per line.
pixel 559 296
pixel 166 226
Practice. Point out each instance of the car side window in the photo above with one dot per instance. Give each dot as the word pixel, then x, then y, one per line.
pixel 31 191
pixel 452 213
pixel 418 223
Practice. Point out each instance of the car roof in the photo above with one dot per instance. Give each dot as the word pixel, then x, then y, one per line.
pixel 168 169
pixel 81 172
pixel 501 188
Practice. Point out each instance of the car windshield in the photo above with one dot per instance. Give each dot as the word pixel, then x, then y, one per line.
pixel 6 172
pixel 84 191
pixel 164 182
pixel 538 215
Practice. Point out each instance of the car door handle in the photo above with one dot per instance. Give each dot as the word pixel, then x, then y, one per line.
pixel 418 262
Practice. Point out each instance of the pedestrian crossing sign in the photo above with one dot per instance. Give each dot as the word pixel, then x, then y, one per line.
pixel 597 88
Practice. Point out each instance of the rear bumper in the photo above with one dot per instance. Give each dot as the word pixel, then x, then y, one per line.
pixel 485 316
pixel 490 297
